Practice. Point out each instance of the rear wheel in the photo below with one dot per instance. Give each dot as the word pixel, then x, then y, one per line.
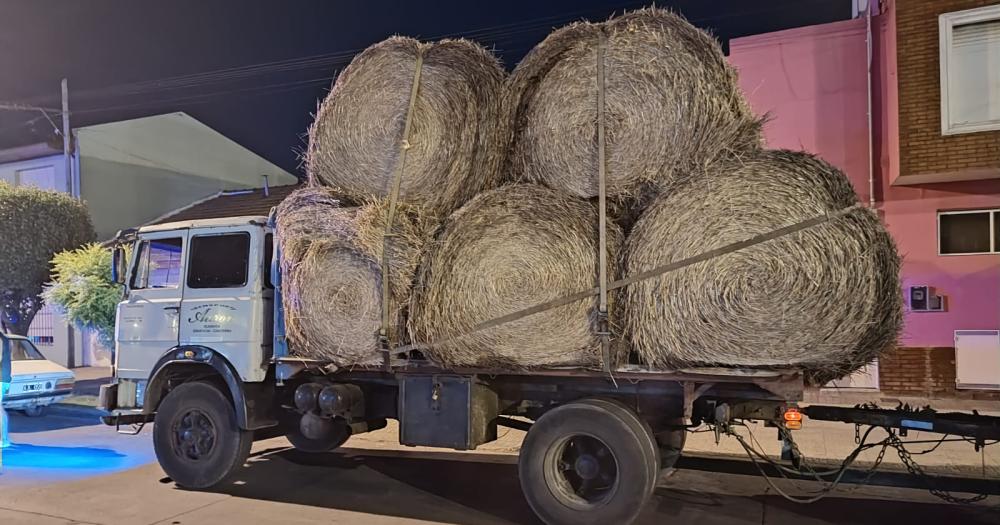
pixel 197 440
pixel 588 462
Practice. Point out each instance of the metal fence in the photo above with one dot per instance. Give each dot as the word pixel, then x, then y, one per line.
pixel 42 330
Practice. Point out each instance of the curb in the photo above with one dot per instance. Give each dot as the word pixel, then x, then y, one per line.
pixel 77 411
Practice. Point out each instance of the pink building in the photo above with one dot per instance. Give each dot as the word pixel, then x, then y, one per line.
pixel 930 164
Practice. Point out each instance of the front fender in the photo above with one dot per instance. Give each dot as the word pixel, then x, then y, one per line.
pixel 253 402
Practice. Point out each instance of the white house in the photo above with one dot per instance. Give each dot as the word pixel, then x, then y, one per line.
pixel 130 173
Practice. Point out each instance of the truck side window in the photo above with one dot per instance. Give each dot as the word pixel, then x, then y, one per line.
pixel 268 255
pixel 219 261
pixel 158 264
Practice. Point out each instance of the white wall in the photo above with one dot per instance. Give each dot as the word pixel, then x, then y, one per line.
pixel 46 172
pixel 48 322
pixel 123 195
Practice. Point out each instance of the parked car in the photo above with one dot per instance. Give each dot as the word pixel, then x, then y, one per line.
pixel 35 382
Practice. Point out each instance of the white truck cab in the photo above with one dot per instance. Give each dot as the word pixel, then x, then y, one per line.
pixel 195 292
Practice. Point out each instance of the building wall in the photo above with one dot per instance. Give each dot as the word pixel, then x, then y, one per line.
pixel 13 172
pixel 124 195
pixel 812 81
pixel 923 149
pixel 925 372
pixel 969 283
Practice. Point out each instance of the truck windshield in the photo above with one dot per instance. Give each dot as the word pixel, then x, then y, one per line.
pixel 21 350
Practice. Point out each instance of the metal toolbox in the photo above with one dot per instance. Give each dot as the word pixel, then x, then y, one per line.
pixel 448 411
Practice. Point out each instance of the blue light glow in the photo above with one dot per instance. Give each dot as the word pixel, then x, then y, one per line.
pixel 68 458
pixel 4 440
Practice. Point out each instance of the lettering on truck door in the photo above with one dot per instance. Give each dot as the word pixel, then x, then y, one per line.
pixel 222 307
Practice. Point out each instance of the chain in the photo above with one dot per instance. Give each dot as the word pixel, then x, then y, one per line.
pixel 917 470
pixel 892 440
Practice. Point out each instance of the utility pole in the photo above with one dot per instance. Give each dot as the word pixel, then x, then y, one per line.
pixel 67 139
pixel 67 134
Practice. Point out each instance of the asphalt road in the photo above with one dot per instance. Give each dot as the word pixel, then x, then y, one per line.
pixel 64 470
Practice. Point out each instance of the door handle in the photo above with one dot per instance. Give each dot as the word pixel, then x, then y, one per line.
pixel 174 308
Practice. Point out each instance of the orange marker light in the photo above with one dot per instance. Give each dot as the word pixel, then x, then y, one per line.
pixel 793 418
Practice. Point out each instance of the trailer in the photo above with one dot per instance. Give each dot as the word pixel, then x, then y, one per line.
pixel 201 352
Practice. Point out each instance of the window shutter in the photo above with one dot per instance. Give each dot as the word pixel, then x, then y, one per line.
pixel 974 79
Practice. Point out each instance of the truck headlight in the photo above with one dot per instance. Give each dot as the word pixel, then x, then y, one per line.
pixel 131 393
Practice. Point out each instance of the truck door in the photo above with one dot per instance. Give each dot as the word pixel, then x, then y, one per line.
pixel 148 318
pixel 222 306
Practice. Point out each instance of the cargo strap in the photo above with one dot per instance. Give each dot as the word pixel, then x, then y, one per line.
pixel 603 330
pixel 648 274
pixel 397 179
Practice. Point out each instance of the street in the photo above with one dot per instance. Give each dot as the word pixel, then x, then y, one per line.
pixel 89 474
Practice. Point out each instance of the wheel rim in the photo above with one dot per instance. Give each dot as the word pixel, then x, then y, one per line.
pixel 582 471
pixel 193 435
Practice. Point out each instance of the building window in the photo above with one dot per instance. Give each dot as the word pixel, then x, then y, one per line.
pixel 219 261
pixel 968 232
pixel 970 70
pixel 158 264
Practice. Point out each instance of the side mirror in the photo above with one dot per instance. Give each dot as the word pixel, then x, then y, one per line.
pixel 118 270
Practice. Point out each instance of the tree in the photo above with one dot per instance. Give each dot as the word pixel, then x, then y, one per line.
pixel 82 289
pixel 34 225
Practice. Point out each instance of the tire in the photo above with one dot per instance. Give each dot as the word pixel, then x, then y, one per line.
pixel 34 411
pixel 640 427
pixel 334 441
pixel 615 464
pixel 671 444
pixel 196 438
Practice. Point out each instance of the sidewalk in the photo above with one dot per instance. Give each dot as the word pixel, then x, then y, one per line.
pixel 83 401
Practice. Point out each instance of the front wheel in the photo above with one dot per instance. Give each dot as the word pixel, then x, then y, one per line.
pixel 197 440
pixel 588 462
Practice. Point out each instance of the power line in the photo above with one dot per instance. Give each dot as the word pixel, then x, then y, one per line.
pixel 190 81
pixel 14 106
pixel 497 34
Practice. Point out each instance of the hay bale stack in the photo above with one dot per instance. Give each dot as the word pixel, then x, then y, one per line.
pixel 673 106
pixel 509 249
pixel 456 143
pixel 825 299
pixel 330 259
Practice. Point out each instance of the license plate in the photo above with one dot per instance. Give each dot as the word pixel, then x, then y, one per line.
pixel 33 387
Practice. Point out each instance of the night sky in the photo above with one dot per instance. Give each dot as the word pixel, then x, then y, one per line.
pixel 254 70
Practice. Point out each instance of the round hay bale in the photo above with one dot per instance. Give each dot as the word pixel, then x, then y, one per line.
pixel 456 140
pixel 826 299
pixel 506 250
pixel 673 105
pixel 331 263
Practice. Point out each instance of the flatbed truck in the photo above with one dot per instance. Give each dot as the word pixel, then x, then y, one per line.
pixel 201 353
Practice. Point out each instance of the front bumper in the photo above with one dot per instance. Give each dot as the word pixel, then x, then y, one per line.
pixel 107 400
pixel 22 401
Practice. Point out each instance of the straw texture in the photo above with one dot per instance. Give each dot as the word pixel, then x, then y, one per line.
pixel 456 141
pixel 506 250
pixel 330 261
pixel 826 300
pixel 673 106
